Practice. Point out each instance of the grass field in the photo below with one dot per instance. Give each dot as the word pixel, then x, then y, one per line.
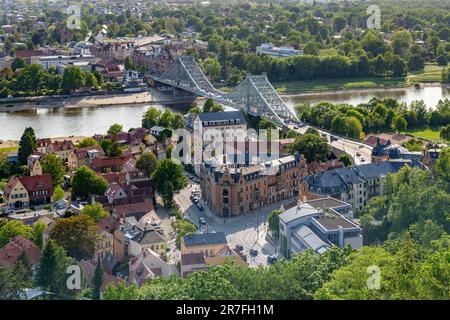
pixel 429 133
pixel 8 149
pixel 302 86
pixel 431 73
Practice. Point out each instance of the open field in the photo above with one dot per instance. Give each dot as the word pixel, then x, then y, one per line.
pixel 431 73
pixel 429 133
pixel 302 86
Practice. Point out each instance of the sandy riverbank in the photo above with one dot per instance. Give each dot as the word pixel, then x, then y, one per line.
pixel 15 144
pixel 152 96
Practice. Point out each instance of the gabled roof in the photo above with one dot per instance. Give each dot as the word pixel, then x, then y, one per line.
pixel 18 245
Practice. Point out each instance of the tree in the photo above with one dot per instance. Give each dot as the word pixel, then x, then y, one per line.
pixel 415 63
pixel 166 118
pixel 211 106
pixel 87 183
pixel 115 129
pixel 129 64
pixel 274 221
pixel 354 127
pixel 95 211
pixel 445 78
pixel 17 63
pixel 150 118
pixel 13 228
pixel 73 78
pixel 177 121
pixel 13 279
pixel 82 230
pixel 445 133
pixel 345 159
pixel 399 123
pixel 147 163
pixel 169 178
pixel 313 147
pixel 87 142
pixel 37 234
pixel 51 271
pixel 401 42
pixel 90 80
pixel 97 281
pixel 339 23
pixel 26 145
pixel 442 60
pixel 212 68
pixel 54 166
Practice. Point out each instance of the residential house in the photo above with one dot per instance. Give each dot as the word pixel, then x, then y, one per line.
pixel 86 155
pixel 88 267
pixel 105 241
pixel 28 191
pixel 19 245
pixel 191 262
pixel 208 244
pixel 148 264
pixel 34 164
pixel 113 164
pixel 30 217
pixel 61 148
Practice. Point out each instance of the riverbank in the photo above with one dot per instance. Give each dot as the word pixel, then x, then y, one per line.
pixel 431 74
pixel 152 96
pixel 12 145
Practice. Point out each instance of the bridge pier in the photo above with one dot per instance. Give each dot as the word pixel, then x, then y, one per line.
pixel 179 93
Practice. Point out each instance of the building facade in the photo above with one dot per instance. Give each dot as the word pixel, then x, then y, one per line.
pixel 231 191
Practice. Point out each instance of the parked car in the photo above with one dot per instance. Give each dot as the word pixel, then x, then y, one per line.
pixel 195 200
pixel 239 247
pixel 361 146
pixel 358 154
pixel 363 160
pixel 253 252
pixel 202 221
pixel 271 259
pixel 199 206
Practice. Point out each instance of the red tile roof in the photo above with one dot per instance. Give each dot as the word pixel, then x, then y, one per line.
pixel 126 210
pixel 82 153
pixel 31 184
pixel 18 245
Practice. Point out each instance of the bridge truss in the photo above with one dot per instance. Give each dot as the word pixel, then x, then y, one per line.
pixel 254 95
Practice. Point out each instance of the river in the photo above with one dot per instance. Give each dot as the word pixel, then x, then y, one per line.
pixel 88 121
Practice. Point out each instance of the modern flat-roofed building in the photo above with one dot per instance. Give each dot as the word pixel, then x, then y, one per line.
pixel 317 226
pixel 49 61
pixel 277 52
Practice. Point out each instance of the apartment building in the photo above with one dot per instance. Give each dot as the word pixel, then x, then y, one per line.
pixel 355 185
pixel 231 191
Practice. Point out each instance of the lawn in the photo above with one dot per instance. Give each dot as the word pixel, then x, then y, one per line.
pixel 302 86
pixel 431 73
pixel 8 149
pixel 428 133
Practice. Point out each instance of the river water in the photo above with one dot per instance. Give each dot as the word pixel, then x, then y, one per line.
pixel 88 121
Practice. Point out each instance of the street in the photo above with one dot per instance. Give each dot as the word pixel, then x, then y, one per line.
pixel 360 152
pixel 248 230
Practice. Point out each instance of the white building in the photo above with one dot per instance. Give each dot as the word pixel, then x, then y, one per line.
pixel 317 226
pixel 277 52
pixel 49 61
